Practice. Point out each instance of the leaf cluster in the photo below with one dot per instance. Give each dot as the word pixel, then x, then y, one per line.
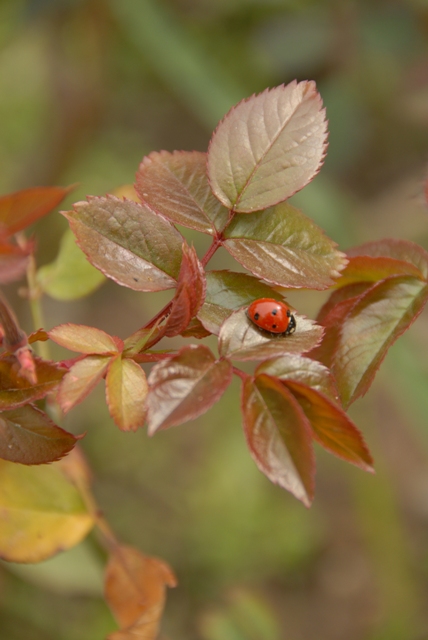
pixel 295 388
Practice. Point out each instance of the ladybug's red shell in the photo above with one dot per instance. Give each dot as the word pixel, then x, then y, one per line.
pixel 272 316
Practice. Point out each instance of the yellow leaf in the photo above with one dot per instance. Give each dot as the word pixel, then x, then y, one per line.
pixel 42 512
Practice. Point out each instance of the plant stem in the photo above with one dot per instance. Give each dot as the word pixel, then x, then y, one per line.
pixel 42 348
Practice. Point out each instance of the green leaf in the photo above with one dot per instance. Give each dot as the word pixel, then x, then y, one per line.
pixel 81 379
pixel 127 242
pixel 42 512
pixel 282 246
pixel 28 436
pixel 16 390
pixel 268 147
pixel 185 386
pixel 403 250
pixel 79 337
pixel 370 327
pixel 70 276
pixel 228 291
pixel 126 391
pixel 20 209
pixel 303 370
pixel 332 428
pixel 239 339
pixel 279 436
pixel 176 186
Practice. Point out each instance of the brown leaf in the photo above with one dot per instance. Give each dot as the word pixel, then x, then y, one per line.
pixel 16 390
pixel 28 436
pixel 135 589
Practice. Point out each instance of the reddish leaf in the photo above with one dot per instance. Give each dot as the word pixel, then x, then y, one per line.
pixel 128 242
pixel 20 209
pixel 370 327
pixel 176 186
pixel 369 269
pixel 185 386
pixel 135 587
pixel 332 323
pixel 228 291
pixel 282 246
pixel 303 370
pixel 81 379
pixel 16 390
pixel 28 436
pixel 268 147
pixel 332 428
pixel 190 293
pixel 13 261
pixel 126 390
pixel 339 296
pixel 78 337
pixel 398 250
pixel 279 436
pixel 239 339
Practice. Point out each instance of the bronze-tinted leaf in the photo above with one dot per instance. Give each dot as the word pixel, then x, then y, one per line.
pixel 397 249
pixel 135 589
pixel 81 379
pixel 268 147
pixel 83 339
pixel 20 209
pixel 42 512
pixel 126 391
pixel 28 436
pixel 282 246
pixel 185 386
pixel 128 242
pixel 303 370
pixel 228 291
pixel 279 436
pixel 16 390
pixel 373 269
pixel 239 339
pixel 370 327
pixel 176 186
pixel 332 428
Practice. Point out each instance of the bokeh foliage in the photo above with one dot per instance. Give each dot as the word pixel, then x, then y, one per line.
pixel 87 87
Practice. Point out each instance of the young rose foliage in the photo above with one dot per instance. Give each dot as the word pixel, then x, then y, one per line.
pixel 264 150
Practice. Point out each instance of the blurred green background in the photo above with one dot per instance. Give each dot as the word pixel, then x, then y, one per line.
pixel 87 88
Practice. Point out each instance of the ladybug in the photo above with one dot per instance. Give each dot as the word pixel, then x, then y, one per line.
pixel 272 316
